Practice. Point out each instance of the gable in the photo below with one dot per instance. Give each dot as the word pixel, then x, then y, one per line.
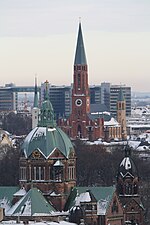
pixel 134 205
pixel 115 207
pixel 56 153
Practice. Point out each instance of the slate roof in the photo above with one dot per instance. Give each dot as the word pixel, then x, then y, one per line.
pixel 80 57
pixel 46 140
pixel 100 194
pixel 32 204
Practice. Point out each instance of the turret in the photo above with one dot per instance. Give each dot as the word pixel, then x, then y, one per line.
pixel 127 175
pixel 121 113
pixel 35 109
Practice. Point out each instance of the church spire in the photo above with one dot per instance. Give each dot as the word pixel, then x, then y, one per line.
pixel 80 57
pixel 35 95
pixel 121 95
pixel 46 118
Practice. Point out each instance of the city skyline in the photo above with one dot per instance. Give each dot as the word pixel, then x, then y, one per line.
pixel 39 38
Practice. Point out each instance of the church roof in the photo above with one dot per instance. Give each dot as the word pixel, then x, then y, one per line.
pixel 46 140
pixel 29 205
pixel 6 196
pixel 127 166
pixel 47 137
pixel 80 57
pixel 102 195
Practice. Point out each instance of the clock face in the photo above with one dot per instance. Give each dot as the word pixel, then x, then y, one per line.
pixel 78 102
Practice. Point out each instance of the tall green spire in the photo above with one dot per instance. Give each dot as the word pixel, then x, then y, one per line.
pixel 46 118
pixel 80 57
pixel 35 95
pixel 121 97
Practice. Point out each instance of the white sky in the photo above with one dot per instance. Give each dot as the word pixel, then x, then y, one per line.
pixel 39 37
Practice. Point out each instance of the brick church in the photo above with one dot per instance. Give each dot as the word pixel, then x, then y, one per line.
pixel 80 124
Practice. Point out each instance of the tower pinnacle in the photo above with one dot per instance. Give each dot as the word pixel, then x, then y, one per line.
pixel 35 94
pixel 80 57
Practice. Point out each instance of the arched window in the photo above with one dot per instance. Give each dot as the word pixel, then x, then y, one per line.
pixel 79 131
pixel 57 171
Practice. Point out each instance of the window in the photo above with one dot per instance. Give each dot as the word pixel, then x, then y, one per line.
pixel 71 172
pixel 39 173
pixel 23 173
pixel 57 173
pixel 79 81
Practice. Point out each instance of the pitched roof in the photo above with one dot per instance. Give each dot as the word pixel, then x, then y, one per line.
pixel 6 196
pixel 100 194
pixel 80 57
pixel 29 205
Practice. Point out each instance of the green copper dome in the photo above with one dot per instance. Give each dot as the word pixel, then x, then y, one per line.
pixel 47 137
pixel 46 140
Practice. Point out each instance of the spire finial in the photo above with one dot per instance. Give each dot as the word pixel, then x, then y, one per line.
pixel 79 19
pixel 127 150
pixel 46 90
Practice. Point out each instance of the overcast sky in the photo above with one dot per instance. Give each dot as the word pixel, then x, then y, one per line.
pixel 39 37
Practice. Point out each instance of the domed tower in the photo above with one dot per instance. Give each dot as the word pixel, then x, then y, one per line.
pixel 48 159
pixel 127 177
pixel 128 189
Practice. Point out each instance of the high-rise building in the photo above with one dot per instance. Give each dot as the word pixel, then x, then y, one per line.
pixel 8 98
pixel 60 97
pixel 114 92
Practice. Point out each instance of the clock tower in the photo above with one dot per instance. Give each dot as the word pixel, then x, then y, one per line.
pixel 81 124
pixel 80 92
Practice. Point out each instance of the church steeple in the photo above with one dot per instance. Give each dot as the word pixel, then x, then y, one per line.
pixel 46 118
pixel 80 57
pixel 35 95
pixel 121 113
pixel 35 109
pixel 121 95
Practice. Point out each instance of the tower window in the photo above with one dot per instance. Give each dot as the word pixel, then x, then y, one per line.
pixel 23 173
pixel 57 173
pixel 39 173
pixel 79 81
pixel 71 172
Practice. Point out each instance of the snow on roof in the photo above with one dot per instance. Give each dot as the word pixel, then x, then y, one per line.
pixel 126 163
pixel 111 122
pixel 83 197
pixel 5 203
pixel 102 205
pixel 134 144
pixel 21 192
pixel 143 148
pixel 58 163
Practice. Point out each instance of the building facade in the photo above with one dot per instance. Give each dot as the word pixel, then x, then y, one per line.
pixel 114 92
pixel 48 159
